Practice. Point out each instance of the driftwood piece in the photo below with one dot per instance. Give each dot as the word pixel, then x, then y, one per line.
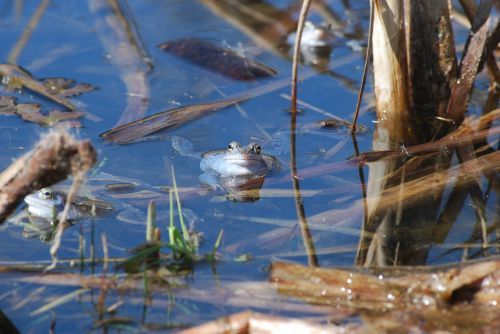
pixel 475 283
pixel 460 298
pixel 56 156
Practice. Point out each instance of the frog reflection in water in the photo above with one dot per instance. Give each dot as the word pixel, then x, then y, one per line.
pixel 45 207
pixel 238 170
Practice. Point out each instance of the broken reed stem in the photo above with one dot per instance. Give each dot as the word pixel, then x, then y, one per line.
pixel 365 71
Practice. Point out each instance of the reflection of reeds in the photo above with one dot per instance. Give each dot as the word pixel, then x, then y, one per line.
pixel 32 24
pixel 417 102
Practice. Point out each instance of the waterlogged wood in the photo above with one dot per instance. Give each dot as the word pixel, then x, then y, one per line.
pixel 135 130
pixel 362 291
pixel 56 156
pixel 15 77
pixel 218 59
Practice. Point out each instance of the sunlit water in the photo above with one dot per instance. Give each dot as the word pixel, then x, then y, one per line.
pixel 66 44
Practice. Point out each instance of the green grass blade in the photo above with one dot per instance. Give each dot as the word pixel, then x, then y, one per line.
pixel 185 232
pixel 151 221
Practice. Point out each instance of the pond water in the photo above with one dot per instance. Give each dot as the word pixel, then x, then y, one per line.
pixel 72 39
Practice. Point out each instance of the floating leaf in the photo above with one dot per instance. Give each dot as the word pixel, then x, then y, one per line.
pixel 132 131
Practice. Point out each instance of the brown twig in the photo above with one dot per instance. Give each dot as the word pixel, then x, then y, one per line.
pixel 365 71
pixel 296 53
pixel 299 206
pixel 56 156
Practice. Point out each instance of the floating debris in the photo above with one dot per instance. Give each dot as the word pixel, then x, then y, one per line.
pixel 219 59
pixel 130 132
pixel 14 77
pixel 32 112
pixel 66 87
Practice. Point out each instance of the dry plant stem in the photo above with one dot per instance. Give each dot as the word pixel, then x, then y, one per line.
pixel 32 24
pixel 56 156
pixel 299 205
pixel 78 179
pixel 392 103
pixel 365 71
pixel 470 10
pixel 469 65
pixel 296 53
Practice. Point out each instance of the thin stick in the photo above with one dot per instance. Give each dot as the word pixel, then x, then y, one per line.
pixel 299 206
pixel 365 70
pixel 296 53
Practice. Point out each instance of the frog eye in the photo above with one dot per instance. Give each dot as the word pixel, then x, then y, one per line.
pixel 256 148
pixel 233 146
pixel 45 193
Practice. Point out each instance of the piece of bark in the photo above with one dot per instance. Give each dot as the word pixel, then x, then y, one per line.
pixel 56 156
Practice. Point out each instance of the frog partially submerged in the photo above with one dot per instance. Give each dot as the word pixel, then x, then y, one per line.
pixel 316 43
pixel 239 170
pixel 45 207
pixel 238 161
pixel 48 204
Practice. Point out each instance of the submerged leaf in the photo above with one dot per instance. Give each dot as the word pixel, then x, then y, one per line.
pixel 216 58
pixel 32 112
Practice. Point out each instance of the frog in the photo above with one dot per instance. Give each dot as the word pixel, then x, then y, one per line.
pixel 316 43
pixel 48 204
pixel 233 169
pixel 44 210
pixel 238 161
